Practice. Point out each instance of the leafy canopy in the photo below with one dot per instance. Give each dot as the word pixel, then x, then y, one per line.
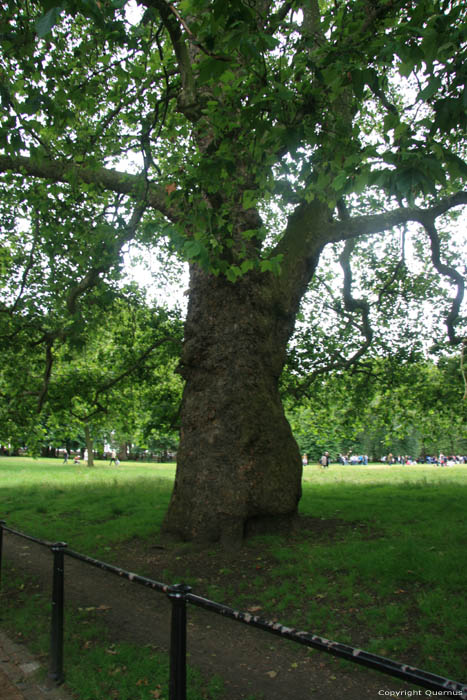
pixel 252 134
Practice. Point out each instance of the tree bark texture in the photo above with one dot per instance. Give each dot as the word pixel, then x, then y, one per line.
pixel 239 466
pixel 89 444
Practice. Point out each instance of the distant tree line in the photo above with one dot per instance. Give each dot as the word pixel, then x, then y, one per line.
pixel 413 408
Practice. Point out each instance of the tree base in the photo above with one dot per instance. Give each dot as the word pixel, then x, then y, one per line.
pixel 271 525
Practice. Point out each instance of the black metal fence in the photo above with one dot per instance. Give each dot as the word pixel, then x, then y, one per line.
pixel 180 595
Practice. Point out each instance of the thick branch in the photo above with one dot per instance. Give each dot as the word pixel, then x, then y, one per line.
pixel 88 281
pixel 376 13
pixel 300 247
pixel 187 100
pixel 364 225
pixel 112 180
pixel 425 217
pixel 312 22
pixel 310 228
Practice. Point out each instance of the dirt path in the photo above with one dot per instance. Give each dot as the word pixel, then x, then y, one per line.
pixel 249 661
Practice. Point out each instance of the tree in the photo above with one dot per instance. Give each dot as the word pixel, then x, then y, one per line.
pixel 102 383
pixel 259 134
pixel 384 405
pixel 97 381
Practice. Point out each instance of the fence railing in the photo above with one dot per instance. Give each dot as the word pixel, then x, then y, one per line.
pixel 180 595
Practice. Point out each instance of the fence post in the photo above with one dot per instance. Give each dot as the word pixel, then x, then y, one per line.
pixel 56 629
pixel 2 523
pixel 177 684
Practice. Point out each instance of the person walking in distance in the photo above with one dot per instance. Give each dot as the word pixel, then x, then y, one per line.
pixel 324 461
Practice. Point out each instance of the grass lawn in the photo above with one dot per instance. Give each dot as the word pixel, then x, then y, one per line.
pixel 385 571
pixel 90 508
pixel 403 579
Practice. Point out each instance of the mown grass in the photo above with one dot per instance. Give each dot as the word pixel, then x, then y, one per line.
pixel 90 508
pixel 389 578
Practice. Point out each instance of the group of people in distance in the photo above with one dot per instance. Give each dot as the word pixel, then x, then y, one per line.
pixel 76 457
pixel 350 458
pixel 325 459
pixel 439 460
pixel 112 456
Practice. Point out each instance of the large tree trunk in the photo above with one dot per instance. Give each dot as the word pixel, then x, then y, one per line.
pixel 239 467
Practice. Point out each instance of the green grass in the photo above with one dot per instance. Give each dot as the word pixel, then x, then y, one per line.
pixel 90 508
pixel 390 577
pixel 401 586
pixel 96 668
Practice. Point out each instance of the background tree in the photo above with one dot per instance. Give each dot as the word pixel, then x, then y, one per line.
pixel 384 405
pixel 101 384
pixel 97 379
pixel 348 117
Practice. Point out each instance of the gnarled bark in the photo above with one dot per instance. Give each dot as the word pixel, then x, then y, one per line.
pixel 239 466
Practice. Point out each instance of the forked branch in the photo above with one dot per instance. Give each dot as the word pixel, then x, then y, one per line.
pixel 353 304
pixel 452 274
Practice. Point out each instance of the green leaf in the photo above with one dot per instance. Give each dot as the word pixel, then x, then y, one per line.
pixel 233 273
pixel 339 181
pixel 211 69
pixel 432 87
pixel 4 96
pixel 358 82
pixel 192 249
pixel 246 266
pixel 268 41
pixel 45 23
pixel 249 49
pixel 272 265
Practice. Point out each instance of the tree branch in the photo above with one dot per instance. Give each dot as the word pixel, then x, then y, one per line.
pixel 113 180
pixel 352 304
pixel 425 217
pixel 462 368
pixel 27 268
pixel 365 225
pixel 452 274
pixel 187 99
pixel 92 276
pixel 49 358
pixel 129 370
